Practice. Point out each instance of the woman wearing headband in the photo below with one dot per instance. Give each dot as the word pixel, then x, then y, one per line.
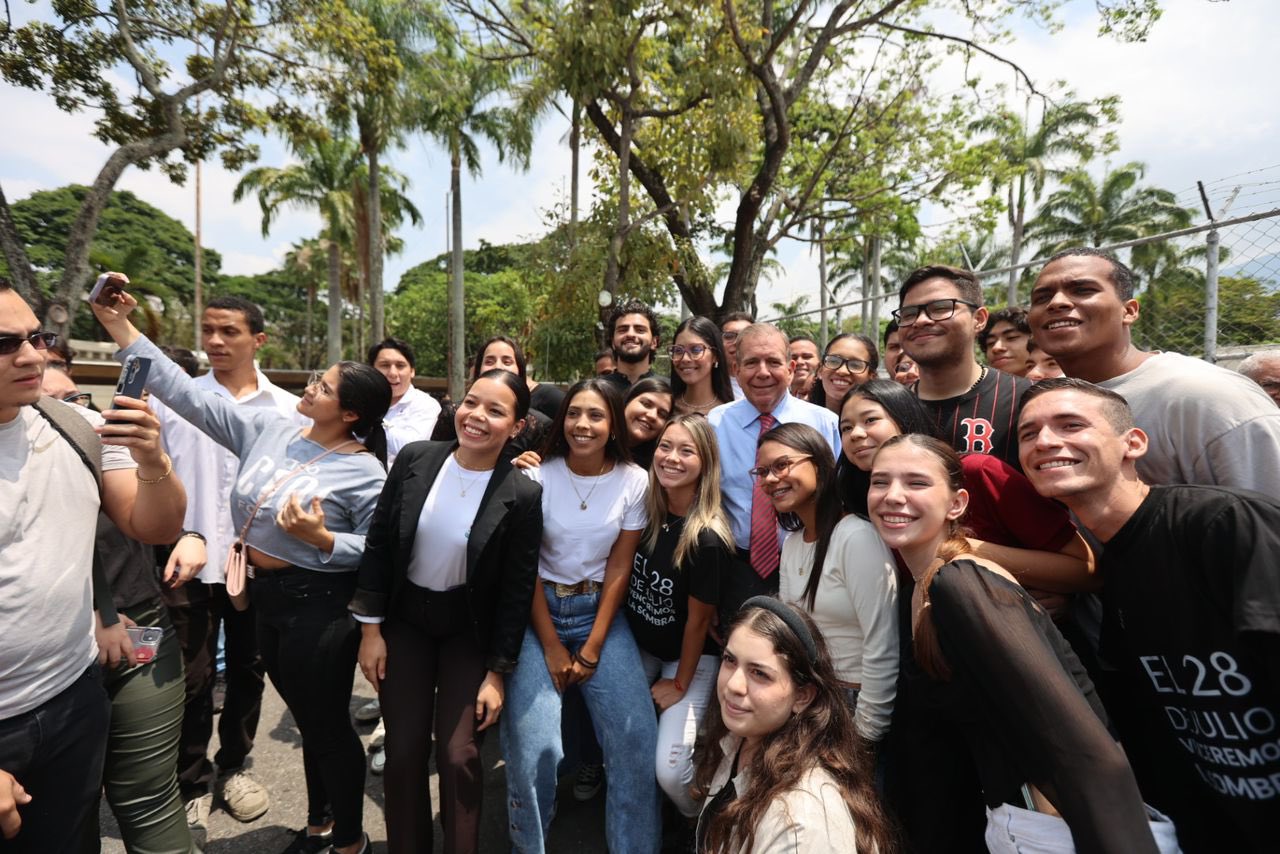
pixel 782 767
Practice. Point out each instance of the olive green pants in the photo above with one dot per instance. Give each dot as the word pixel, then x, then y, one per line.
pixel 139 776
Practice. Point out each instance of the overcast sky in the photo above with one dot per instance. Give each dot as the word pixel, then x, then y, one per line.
pixel 1194 107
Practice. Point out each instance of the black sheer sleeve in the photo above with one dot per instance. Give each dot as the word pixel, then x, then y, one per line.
pixel 1031 719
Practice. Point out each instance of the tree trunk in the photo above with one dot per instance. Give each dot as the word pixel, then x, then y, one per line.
pixel 866 284
pixel 622 222
pixel 15 254
pixel 309 358
pixel 457 315
pixel 335 303
pixel 877 290
pixel 376 304
pixel 575 149
pixel 1019 214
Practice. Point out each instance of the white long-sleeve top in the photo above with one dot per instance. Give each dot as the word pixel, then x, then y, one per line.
pixel 857 610
pixel 410 419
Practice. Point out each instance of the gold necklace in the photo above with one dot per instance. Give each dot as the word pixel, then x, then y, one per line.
pixel 464 484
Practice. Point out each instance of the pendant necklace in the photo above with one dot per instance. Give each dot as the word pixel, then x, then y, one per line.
pixel 582 502
pixel 464 484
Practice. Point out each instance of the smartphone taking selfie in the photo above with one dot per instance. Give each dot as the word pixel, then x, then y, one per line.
pixel 133 380
pixel 106 291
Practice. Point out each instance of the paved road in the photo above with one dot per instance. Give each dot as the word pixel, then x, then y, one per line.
pixel 277 763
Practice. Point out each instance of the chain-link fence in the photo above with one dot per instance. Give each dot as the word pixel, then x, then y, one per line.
pixel 1211 291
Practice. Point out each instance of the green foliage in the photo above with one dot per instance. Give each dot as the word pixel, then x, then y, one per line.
pixel 498 302
pixel 127 225
pixel 1248 313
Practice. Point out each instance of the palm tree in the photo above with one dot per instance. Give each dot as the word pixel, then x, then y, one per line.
pixel 455 90
pixel 321 180
pixel 383 114
pixel 1028 153
pixel 1087 213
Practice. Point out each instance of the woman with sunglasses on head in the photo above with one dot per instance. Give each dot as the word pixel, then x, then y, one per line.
pixel 674 592
pixel 500 353
pixel 593 509
pixel 849 360
pixel 302 502
pixel 699 368
pixel 781 765
pixel 444 592
pixel 987 660
pixel 836 568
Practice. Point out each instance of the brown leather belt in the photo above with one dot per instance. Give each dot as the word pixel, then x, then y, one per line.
pixel 565 590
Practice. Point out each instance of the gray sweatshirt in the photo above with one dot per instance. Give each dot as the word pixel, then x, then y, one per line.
pixel 269 445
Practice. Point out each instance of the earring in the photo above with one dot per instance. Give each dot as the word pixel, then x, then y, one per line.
pixel 715 365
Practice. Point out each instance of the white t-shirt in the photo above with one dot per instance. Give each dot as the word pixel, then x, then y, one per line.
pixel 576 542
pixel 48 520
pixel 856 608
pixel 439 560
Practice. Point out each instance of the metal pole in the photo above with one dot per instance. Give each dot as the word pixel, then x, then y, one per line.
pixel 1211 299
pixel 823 331
pixel 197 313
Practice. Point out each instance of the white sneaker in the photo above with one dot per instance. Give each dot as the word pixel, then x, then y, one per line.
pixel 378 761
pixel 379 736
pixel 198 819
pixel 369 712
pixel 245 799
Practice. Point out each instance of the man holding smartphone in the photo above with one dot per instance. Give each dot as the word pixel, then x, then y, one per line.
pixel 232 331
pixel 53 708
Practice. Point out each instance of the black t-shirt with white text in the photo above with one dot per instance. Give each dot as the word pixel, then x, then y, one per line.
pixel 983 420
pixel 658 592
pixel 1192 598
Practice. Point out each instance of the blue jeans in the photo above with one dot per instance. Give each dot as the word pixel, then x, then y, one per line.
pixel 618 699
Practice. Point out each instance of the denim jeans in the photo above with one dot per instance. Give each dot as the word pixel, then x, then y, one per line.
pixel 679 725
pixel 618 699
pixel 309 642
pixel 55 751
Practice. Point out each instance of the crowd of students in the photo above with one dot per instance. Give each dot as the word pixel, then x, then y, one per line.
pixel 799 606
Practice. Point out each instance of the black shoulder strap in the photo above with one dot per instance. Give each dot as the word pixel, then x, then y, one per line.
pixel 77 431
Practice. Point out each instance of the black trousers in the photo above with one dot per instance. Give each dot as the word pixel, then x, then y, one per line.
pixel 56 752
pixel 309 643
pixel 434 670
pixel 197 611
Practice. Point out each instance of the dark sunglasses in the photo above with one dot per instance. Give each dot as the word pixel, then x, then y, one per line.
pixel 10 344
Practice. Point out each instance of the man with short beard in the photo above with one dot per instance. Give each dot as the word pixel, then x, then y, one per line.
pixel 939 316
pixel 634 335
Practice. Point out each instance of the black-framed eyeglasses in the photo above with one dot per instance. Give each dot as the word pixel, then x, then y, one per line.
pixel 832 362
pixel 10 344
pixel 779 468
pixel 729 336
pixel 79 398
pixel 939 309
pixel 694 351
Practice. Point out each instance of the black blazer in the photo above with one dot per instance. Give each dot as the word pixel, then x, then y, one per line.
pixel 502 552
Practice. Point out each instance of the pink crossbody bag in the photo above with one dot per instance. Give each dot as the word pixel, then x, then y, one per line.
pixel 236 567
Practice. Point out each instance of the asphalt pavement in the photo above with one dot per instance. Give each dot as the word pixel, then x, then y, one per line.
pixel 276 762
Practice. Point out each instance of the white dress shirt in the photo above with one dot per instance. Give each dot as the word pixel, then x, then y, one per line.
pixel 208 470
pixel 411 419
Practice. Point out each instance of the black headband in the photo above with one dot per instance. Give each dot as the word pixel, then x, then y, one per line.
pixel 787 615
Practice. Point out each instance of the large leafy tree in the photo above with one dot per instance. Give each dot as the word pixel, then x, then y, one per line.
pixel 460 102
pixel 250 61
pixel 790 111
pixel 1087 212
pixel 1031 155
